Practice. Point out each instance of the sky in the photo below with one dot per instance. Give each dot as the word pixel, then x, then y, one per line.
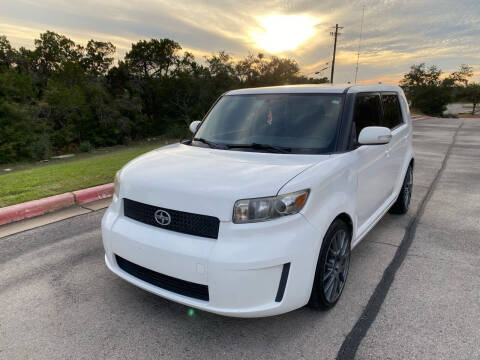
pixel 396 33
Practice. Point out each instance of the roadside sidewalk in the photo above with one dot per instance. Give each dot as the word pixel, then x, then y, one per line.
pixel 62 214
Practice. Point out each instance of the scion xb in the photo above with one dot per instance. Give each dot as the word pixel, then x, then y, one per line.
pixel 257 214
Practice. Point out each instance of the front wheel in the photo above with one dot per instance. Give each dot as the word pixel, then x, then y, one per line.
pixel 403 201
pixel 332 267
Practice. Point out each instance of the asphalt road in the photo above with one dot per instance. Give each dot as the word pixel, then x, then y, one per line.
pixel 413 289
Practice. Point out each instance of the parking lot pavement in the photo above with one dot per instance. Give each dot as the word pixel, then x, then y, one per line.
pixel 433 309
pixel 58 300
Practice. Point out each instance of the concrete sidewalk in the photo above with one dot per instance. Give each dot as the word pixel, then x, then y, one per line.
pixel 65 213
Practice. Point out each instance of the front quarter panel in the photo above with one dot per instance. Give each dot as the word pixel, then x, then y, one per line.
pixel 332 187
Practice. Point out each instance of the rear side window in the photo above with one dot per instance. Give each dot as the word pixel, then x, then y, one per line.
pixel 368 111
pixel 392 113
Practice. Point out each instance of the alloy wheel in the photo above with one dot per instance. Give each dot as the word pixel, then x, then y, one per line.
pixel 408 187
pixel 336 266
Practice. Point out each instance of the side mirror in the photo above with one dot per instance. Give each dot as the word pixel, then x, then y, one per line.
pixel 194 126
pixel 374 135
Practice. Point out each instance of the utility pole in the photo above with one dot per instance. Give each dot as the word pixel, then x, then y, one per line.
pixel 334 34
pixel 359 44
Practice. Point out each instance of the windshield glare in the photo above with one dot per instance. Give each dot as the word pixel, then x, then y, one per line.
pixel 304 123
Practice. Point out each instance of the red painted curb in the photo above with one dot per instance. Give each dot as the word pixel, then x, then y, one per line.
pixel 34 208
pixel 94 193
pixel 43 206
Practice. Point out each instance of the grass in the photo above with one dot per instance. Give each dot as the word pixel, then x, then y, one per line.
pixel 35 181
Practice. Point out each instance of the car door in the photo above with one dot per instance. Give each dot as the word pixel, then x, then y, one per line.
pixel 397 148
pixel 372 166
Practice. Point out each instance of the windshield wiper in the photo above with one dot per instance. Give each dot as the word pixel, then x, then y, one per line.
pixel 279 149
pixel 212 144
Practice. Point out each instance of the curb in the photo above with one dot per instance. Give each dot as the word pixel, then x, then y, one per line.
pixel 93 194
pixel 43 206
pixel 419 117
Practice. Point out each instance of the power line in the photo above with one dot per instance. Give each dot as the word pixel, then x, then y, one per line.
pixel 316 72
pixel 359 43
pixel 335 35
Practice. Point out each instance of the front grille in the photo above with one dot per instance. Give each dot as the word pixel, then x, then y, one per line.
pixel 166 282
pixel 183 222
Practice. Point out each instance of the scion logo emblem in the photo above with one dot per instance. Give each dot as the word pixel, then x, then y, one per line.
pixel 162 217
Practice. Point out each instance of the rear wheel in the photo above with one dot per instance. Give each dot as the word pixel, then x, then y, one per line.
pixel 332 267
pixel 403 201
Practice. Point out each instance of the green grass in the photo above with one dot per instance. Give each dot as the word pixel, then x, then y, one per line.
pixel 35 181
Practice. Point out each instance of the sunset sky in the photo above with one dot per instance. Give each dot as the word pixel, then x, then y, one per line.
pixel 397 33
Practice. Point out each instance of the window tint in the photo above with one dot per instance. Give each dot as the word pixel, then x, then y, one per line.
pixel 392 114
pixel 367 111
pixel 302 122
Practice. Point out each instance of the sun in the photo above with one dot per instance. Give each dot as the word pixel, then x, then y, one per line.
pixel 281 33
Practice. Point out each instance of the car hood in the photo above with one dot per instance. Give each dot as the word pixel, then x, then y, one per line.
pixel 208 181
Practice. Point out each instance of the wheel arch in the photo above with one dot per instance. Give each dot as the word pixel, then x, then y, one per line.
pixel 347 219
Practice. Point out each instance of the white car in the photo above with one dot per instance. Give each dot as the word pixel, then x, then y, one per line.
pixel 258 213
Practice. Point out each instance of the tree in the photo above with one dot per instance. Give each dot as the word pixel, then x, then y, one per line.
pixel 17 87
pixel 98 57
pixel 26 61
pixel 425 89
pixel 152 58
pixel 249 69
pixel 17 131
pixel 420 76
pixel 7 53
pixel 60 94
pixel 260 71
pixel 53 50
pixel 462 75
pixel 278 71
pixel 220 75
pixel 471 93
pixel 118 79
pixel 192 87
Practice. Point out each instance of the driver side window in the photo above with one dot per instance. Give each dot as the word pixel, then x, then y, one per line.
pixel 367 112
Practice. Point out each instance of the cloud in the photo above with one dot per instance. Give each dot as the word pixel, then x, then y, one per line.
pixel 397 33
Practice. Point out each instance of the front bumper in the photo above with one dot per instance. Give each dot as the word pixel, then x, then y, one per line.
pixel 242 268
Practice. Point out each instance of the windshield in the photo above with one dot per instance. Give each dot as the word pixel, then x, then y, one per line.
pixel 300 123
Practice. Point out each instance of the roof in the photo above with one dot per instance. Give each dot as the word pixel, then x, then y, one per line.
pixel 313 89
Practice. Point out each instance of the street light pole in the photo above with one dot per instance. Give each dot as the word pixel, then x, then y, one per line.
pixel 335 35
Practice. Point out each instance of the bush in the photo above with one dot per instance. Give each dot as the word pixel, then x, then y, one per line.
pixel 177 130
pixel 85 147
pixel 17 132
pixel 431 100
pixel 41 149
pixel 126 140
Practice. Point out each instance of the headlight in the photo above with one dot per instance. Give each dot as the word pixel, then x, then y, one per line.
pixel 268 208
pixel 117 183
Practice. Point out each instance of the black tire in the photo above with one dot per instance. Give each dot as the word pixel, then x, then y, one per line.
pixel 402 204
pixel 332 266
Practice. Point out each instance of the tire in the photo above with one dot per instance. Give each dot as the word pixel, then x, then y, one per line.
pixel 332 267
pixel 402 204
